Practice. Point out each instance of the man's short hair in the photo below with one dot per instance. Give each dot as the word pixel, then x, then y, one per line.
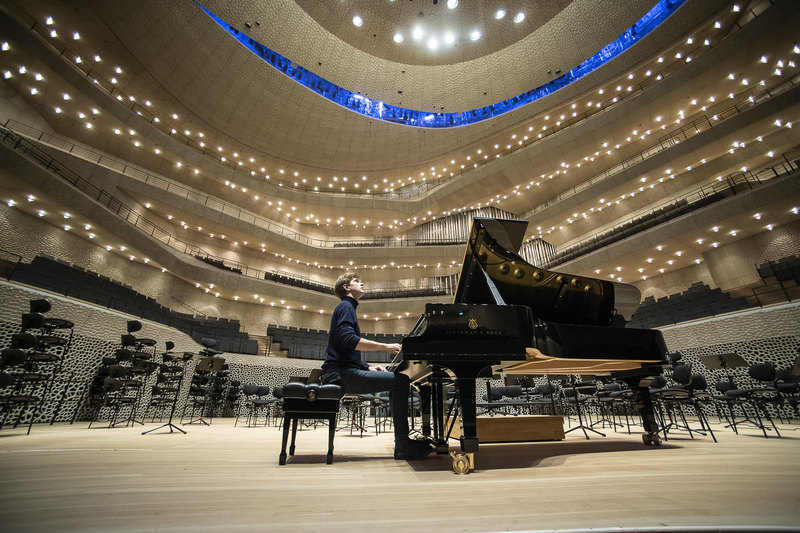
pixel 343 281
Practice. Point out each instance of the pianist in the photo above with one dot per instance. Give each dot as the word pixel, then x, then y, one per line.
pixel 343 365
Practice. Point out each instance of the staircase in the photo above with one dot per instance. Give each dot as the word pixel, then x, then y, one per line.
pixel 268 348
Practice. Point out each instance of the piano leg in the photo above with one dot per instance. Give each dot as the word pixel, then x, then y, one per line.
pixel 425 407
pixel 469 438
pixel 644 402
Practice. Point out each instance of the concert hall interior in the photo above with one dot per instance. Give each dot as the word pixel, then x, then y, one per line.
pixel 182 183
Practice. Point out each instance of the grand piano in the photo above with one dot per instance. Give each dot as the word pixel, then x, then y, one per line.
pixel 511 317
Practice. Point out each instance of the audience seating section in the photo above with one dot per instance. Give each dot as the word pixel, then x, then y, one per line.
pixel 785 270
pixel 697 301
pixel 306 343
pixel 73 281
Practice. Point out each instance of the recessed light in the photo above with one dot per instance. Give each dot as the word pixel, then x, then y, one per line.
pixel 499 14
pixel 357 21
pixel 475 35
pixel 398 37
pixel 519 17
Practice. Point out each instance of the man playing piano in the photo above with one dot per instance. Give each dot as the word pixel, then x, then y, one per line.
pixel 343 365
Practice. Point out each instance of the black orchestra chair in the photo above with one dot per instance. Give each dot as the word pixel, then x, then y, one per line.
pixel 606 400
pixel 303 401
pixel 580 395
pixel 256 400
pixel 17 394
pixel 29 371
pixel 722 387
pixel 114 396
pixel 544 396
pixel 788 388
pixel 690 392
pixel 277 409
pixel 249 391
pixel 758 397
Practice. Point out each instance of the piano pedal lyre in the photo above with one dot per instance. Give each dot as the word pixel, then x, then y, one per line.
pixel 463 462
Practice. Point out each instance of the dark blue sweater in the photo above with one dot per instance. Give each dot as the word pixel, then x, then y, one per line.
pixel 343 338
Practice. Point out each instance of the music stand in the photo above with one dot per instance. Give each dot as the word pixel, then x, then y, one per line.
pixel 183 359
pixel 723 361
pixel 212 365
pixel 575 391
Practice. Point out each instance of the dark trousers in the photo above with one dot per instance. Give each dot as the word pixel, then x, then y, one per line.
pixel 356 381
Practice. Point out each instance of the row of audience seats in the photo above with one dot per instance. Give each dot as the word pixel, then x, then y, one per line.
pixel 280 277
pixel 646 221
pixel 73 281
pixel 786 269
pixel 406 293
pixel 307 343
pixel 698 301
pixel 219 263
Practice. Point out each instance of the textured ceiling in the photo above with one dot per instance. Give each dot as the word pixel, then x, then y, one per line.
pixel 382 19
pixel 221 86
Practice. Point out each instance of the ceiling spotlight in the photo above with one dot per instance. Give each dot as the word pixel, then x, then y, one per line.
pixel 417 33
pixel 500 13
pixel 475 35
pixel 449 38
pixel 452 4
pixel 519 17
pixel 357 21
pixel 398 37
pixel 433 43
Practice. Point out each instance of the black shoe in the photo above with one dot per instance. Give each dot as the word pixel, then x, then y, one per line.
pixel 409 450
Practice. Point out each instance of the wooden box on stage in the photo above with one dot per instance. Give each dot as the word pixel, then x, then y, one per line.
pixel 516 428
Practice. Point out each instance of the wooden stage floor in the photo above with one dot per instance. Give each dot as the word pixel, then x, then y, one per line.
pixel 227 479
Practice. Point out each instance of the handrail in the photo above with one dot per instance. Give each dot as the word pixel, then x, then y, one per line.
pixel 134 218
pixel 667 141
pixel 403 193
pixel 15 258
pixel 195 311
pixel 105 199
pixel 694 199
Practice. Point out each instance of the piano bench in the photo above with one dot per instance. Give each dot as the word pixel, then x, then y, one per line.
pixel 303 401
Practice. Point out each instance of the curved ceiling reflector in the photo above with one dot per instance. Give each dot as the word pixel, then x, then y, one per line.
pixel 422 119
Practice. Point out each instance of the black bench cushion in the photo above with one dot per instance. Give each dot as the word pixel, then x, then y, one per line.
pixel 311 398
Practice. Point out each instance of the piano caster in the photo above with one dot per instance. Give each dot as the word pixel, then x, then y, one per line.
pixel 651 439
pixel 463 462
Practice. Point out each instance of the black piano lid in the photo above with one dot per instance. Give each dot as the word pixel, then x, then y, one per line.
pixel 478 286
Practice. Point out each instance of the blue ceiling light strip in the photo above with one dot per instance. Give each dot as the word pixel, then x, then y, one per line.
pixel 421 119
